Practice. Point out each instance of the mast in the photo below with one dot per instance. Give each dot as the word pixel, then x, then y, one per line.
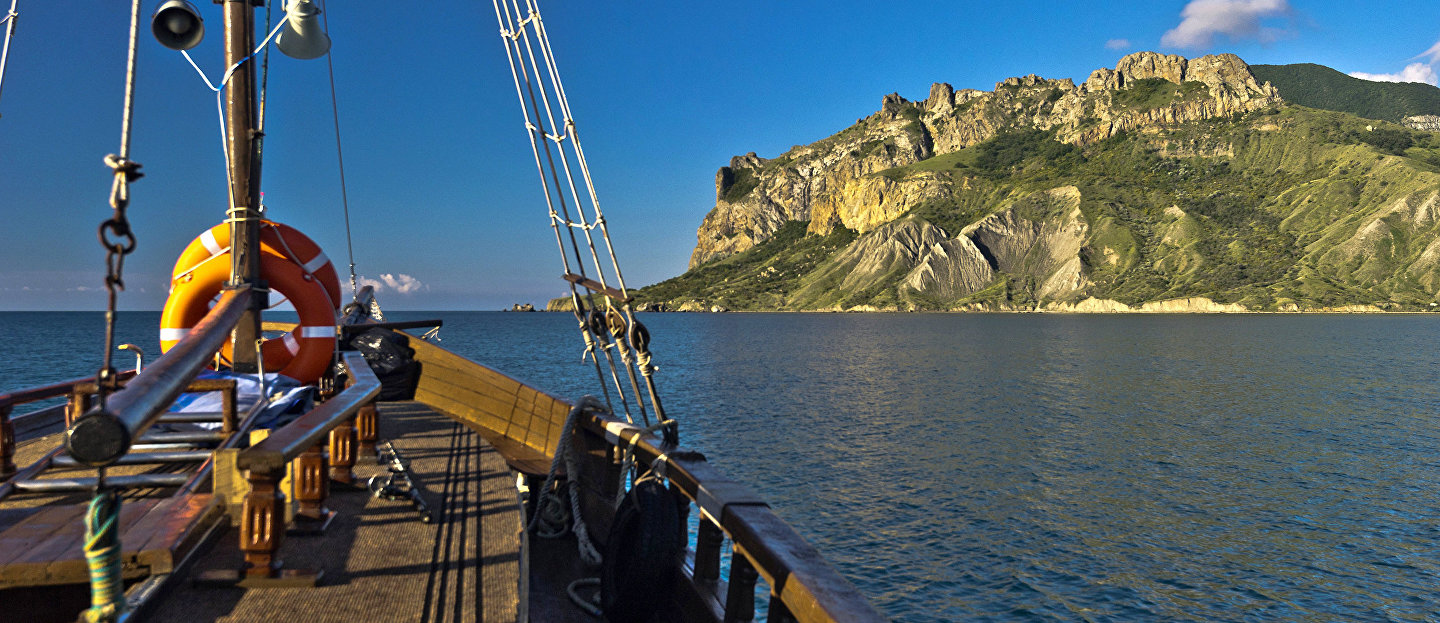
pixel 241 144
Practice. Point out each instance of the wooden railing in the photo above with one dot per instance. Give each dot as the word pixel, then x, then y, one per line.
pixel 263 525
pixel 14 428
pixel 104 434
pixel 524 426
pixel 803 587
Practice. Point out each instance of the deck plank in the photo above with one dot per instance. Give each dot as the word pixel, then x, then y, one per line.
pixel 380 562
pixel 151 531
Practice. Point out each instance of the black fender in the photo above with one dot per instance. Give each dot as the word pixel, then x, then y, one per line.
pixel 642 554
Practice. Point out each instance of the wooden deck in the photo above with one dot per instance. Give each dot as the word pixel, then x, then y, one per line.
pixel 380 562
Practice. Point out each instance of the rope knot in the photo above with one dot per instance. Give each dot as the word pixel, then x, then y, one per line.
pixel 128 167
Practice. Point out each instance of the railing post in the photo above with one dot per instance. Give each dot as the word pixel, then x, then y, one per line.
pixel 779 612
pixel 227 406
pixel 79 403
pixel 740 600
pixel 7 443
pixel 312 484
pixel 367 431
pixel 263 525
pixel 342 453
pixel 707 551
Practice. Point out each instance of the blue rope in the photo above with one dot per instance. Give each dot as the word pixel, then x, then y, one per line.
pixel 102 552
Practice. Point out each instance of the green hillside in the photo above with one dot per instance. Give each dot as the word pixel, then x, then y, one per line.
pixel 1317 86
pixel 1276 209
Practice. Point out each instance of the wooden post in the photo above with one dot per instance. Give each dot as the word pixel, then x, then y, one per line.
pixel 7 443
pixel 79 403
pixel 342 453
pixel 312 485
pixel 367 431
pixel 707 551
pixel 263 525
pixel 740 600
pixel 227 408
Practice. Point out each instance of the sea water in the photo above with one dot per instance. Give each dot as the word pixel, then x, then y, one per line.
pixel 1025 467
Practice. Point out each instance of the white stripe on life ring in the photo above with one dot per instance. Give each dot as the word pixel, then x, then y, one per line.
pixel 173 335
pixel 211 245
pixel 325 331
pixel 316 263
pixel 291 344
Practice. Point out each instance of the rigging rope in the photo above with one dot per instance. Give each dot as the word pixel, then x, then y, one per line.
pixel 220 110
pixel 339 155
pixel 102 538
pixel 260 108
pixel 9 21
pixel 555 144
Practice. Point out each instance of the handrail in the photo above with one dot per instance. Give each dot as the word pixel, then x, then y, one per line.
pixel 287 443
pixel 104 435
pixel 797 574
pixel 63 388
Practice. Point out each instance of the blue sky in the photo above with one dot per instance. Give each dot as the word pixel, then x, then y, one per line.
pixel 444 197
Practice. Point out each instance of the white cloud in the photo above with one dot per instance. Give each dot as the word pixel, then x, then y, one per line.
pixel 400 283
pixel 1117 44
pixel 1201 20
pixel 1414 72
pixel 1433 53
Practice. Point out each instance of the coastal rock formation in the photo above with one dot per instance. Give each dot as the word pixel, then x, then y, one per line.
pixel 831 183
pixel 1038 237
pixel 1428 123
pixel 1164 184
pixel 893 249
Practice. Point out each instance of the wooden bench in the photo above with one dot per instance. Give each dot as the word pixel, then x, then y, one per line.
pixel 47 548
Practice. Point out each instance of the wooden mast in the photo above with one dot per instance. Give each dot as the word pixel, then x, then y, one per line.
pixel 240 145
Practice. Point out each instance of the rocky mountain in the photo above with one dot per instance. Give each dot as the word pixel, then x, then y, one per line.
pixel 1166 181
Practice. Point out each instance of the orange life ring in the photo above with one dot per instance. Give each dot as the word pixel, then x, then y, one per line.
pixel 275 239
pixel 304 357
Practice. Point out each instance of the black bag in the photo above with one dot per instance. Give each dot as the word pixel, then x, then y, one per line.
pixel 392 360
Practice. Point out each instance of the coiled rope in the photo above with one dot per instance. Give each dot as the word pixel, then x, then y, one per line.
pixel 102 553
pixel 565 451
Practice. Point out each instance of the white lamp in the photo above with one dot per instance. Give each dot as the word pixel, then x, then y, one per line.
pixel 302 37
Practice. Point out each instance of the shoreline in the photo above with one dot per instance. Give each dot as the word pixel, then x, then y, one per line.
pixel 1089 306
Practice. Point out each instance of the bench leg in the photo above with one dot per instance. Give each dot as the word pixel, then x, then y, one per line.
pixel 342 453
pixel 367 432
pixel 312 487
pixel 262 527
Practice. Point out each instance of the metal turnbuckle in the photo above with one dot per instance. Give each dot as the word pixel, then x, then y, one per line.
pixel 398 485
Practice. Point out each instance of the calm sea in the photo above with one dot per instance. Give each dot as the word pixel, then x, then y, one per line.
pixel 1028 467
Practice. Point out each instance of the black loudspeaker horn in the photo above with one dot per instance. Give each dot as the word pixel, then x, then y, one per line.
pixel 177 25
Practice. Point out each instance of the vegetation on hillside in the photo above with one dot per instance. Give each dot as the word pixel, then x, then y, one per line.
pixel 1264 209
pixel 755 279
pixel 1317 86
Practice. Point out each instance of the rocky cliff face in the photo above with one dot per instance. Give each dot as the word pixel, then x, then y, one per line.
pixel 1428 123
pixel 1165 184
pixel 830 183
